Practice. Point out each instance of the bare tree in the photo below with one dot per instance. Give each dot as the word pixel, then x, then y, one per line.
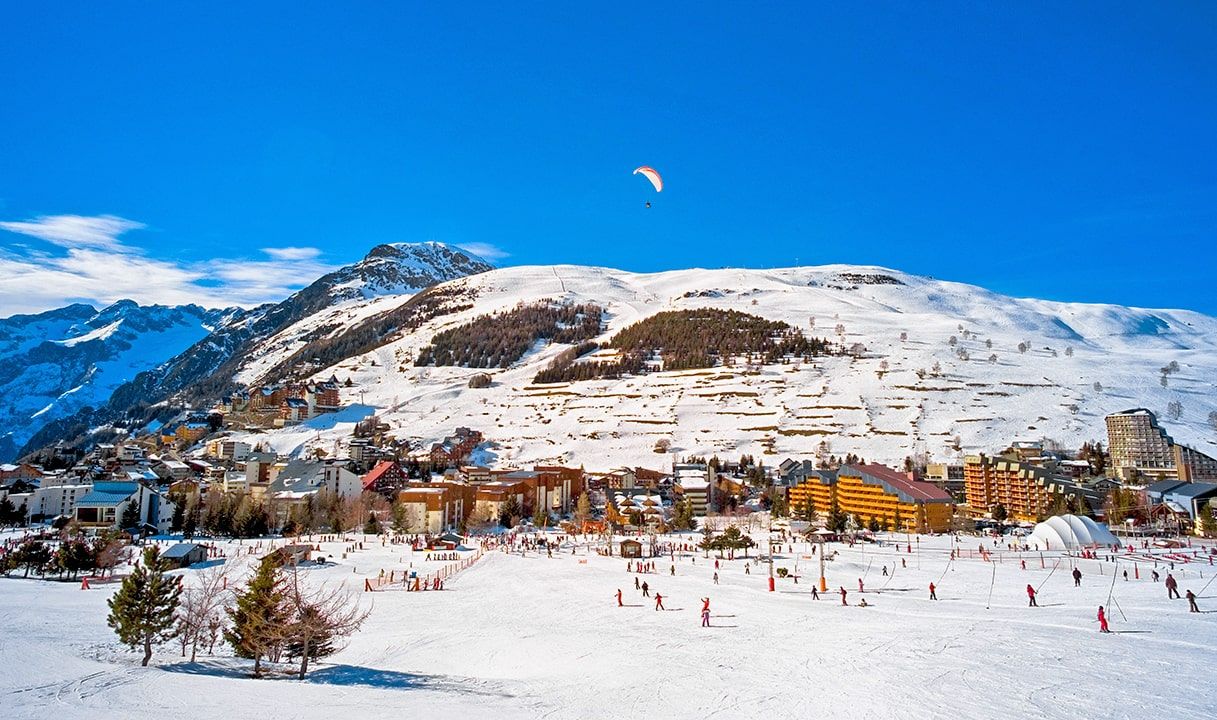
pixel 1098 386
pixel 904 336
pixel 988 343
pixel 993 359
pixel 200 608
pixel 322 618
pixel 1022 347
pixel 1213 419
pixel 953 341
pixel 1174 409
pixel 1069 351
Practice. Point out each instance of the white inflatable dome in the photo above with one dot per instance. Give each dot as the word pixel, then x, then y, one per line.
pixel 1070 532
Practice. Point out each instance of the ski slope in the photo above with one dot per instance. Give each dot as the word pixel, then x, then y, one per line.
pixel 533 636
pixel 884 405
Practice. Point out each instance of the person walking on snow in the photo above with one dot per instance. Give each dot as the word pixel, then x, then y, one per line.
pixel 843 594
pixel 1077 577
pixel 1191 602
pixel 646 591
pixel 933 595
pixel 635 582
pixel 1103 621
pixel 715 578
pixel 860 585
pixel 705 617
pixel 619 603
pixel 1031 597
pixel 659 602
pixel 1172 587
pixel 815 594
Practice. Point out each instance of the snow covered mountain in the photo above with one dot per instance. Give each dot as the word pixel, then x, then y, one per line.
pixel 947 369
pixel 203 366
pixel 54 363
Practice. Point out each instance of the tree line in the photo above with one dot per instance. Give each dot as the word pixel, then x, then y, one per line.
pixel 688 340
pixel 500 339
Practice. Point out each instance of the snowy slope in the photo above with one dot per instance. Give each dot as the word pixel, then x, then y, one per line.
pixel 836 404
pixel 530 636
pixel 54 363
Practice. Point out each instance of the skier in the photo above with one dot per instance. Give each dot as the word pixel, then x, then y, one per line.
pixel 1077 577
pixel 843 594
pixel 673 573
pixel 747 569
pixel 646 591
pixel 715 578
pixel 1155 574
pixel 815 595
pixel 884 571
pixel 659 602
pixel 705 617
pixel 619 603
pixel 860 585
pixel 1103 621
pixel 635 582
pixel 1191 602
pixel 1023 563
pixel 1031 597
pixel 1172 587
pixel 933 595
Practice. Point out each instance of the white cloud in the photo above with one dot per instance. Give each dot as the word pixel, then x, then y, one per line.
pixel 99 269
pixel 292 253
pixel 486 251
pixel 72 231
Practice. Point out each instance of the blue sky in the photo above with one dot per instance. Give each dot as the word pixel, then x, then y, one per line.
pixel 174 151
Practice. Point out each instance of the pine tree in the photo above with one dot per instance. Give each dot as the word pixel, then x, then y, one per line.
pixel 540 518
pixel 372 526
pixel 1208 521
pixel 8 512
pixel 131 514
pixel 259 616
pixel 142 610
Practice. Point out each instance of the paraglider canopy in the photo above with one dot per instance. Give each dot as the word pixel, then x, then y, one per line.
pixel 651 174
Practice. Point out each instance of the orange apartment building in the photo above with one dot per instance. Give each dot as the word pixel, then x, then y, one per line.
pixel 1026 491
pixel 877 492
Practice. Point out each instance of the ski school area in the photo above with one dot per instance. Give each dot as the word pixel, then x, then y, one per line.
pixel 537 624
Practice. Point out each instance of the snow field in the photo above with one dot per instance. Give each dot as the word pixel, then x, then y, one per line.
pixel 534 636
pixel 853 404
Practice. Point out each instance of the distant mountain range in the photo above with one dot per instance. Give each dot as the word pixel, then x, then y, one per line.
pixel 927 367
pixel 68 370
pixel 55 363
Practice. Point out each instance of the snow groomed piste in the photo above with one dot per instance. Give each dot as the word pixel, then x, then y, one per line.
pixel 529 631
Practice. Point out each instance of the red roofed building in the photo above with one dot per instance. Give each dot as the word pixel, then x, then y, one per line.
pixel 385 478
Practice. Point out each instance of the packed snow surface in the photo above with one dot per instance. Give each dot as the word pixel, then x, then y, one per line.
pixel 527 636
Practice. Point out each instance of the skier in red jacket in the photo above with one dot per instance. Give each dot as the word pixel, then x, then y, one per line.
pixel 1031 597
pixel 933 595
pixel 1103 621
pixel 659 602
pixel 619 603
